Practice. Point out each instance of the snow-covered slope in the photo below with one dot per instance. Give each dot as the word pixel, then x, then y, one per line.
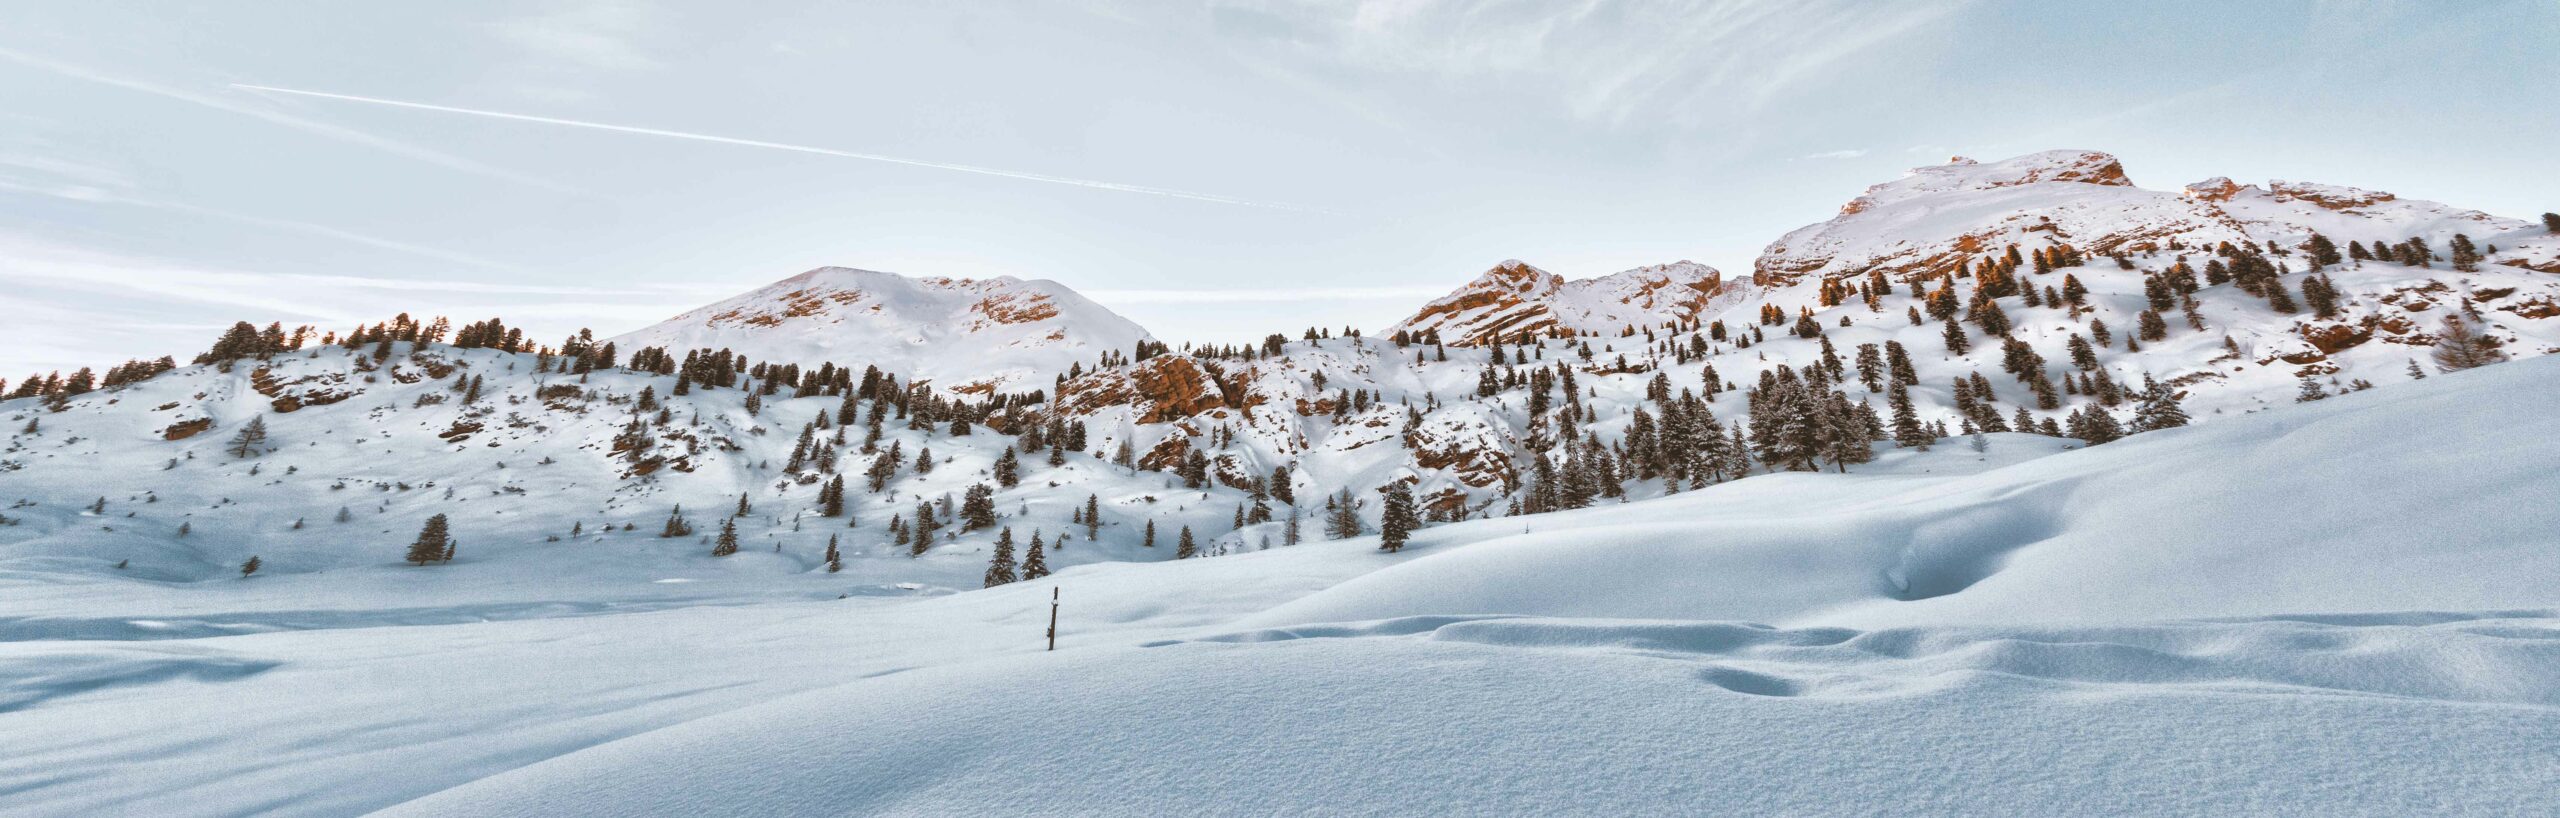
pixel 964 336
pixel 1515 298
pixel 2013 631
pixel 1929 221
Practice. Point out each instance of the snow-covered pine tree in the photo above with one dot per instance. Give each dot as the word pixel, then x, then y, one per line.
pixel 2159 408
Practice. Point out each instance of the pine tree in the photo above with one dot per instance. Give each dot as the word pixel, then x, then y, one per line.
pixel 831 498
pixel 1148 540
pixel 1291 535
pixel 835 558
pixel 2159 409
pixel 1955 338
pixel 1907 430
pixel 1342 514
pixel 1008 469
pixel 2460 347
pixel 1398 518
pixel 920 533
pixel 2311 390
pixel 251 440
pixel 1035 563
pixel 2466 256
pixel 1000 569
pixel 431 542
pixel 250 567
pixel 728 542
pixel 977 508
pixel 2551 222
pixel 1183 547
pixel 1092 517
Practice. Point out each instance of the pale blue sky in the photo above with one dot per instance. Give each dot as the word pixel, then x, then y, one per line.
pixel 1381 151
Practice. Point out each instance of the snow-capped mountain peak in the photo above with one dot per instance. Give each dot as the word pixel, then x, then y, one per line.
pixel 957 334
pixel 1514 297
pixel 1936 217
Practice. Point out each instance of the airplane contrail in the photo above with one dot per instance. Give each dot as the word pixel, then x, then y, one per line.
pixel 758 143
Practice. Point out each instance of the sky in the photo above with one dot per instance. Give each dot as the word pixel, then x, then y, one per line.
pixel 1215 171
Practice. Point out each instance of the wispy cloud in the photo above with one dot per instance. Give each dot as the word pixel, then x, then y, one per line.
pixel 1604 60
pixel 783 146
pixel 313 127
pixel 100 195
pixel 597 34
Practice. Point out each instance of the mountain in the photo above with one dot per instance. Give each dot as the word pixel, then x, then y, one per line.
pixel 958 335
pixel 2308 607
pixel 1514 297
pixel 1612 502
pixel 1926 222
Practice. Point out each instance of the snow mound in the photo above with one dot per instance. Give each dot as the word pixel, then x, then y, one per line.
pixel 2321 507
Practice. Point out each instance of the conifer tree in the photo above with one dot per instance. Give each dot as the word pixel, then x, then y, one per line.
pixel 1183 547
pixel 1008 469
pixel 1397 518
pixel 2311 390
pixel 2551 222
pixel 1342 513
pixel 1907 430
pixel 977 508
pixel 2159 408
pixel 1035 562
pixel 432 540
pixel 920 533
pixel 728 542
pixel 1148 540
pixel 835 558
pixel 1092 517
pixel 251 441
pixel 1000 568
pixel 250 567
pixel 2459 346
pixel 831 498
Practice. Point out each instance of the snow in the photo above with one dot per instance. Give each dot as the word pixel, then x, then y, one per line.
pixel 1515 296
pixel 1004 332
pixel 2340 608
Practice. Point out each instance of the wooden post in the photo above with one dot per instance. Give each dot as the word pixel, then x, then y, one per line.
pixel 1053 617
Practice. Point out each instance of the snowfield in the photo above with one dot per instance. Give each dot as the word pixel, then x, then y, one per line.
pixel 2338 608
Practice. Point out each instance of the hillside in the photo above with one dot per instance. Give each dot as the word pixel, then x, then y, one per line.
pixel 562 441
pixel 1514 298
pixel 2013 630
pixel 962 336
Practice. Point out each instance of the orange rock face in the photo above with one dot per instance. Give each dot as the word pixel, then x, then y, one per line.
pixel 1163 389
